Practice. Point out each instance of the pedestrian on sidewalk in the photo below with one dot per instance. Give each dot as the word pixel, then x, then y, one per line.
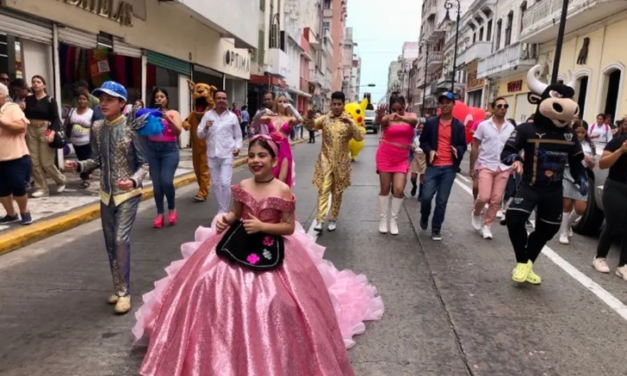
pixel 332 174
pixel 245 119
pixel 21 91
pixel 162 152
pixel 116 151
pixel 399 129
pixel 78 126
pixel 490 174
pixel 42 112
pixel 308 123
pixel 443 140
pixel 14 160
pixel 575 204
pixel 614 158
pixel 220 127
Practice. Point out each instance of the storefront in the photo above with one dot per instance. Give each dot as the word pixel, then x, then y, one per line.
pixel 25 46
pixel 515 90
pixel 474 86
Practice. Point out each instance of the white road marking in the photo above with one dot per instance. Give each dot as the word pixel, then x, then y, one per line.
pixel 313 233
pixel 601 293
pixel 463 178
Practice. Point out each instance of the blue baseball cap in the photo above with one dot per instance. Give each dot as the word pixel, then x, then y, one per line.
pixel 447 95
pixel 111 88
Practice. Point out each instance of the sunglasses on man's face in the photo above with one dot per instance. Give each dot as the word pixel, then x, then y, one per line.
pixel 501 106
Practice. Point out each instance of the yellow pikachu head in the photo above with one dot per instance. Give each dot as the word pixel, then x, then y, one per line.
pixel 357 111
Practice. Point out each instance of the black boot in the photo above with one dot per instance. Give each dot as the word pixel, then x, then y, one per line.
pixel 413 189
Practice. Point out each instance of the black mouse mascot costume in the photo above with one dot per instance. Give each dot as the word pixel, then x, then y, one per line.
pixel 542 149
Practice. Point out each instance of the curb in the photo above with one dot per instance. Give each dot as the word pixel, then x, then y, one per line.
pixel 21 237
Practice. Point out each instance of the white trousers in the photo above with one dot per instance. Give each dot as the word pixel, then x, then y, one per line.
pixel 221 170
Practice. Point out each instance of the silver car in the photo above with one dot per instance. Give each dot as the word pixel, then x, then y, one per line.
pixel 371 124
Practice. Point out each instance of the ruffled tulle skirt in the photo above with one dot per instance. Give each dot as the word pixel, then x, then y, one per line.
pixel 210 317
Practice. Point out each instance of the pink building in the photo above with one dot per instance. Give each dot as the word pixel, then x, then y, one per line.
pixel 337 24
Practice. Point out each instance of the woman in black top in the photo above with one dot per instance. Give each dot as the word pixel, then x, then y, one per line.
pixel 614 204
pixel 43 113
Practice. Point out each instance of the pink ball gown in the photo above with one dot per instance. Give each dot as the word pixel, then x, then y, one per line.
pixel 210 317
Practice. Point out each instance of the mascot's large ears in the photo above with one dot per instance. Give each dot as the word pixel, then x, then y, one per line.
pixel 191 85
pixel 364 105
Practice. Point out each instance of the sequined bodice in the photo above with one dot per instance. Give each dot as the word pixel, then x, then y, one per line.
pixel 268 209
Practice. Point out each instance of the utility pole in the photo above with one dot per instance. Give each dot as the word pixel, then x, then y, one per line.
pixel 558 45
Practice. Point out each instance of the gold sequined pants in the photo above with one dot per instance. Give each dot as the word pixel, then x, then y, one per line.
pixel 117 223
pixel 328 189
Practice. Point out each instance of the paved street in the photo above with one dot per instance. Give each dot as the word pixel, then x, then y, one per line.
pixel 451 307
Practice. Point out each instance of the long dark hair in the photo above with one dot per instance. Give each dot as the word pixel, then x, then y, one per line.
pixel 152 103
pixel 583 124
pixel 396 99
pixel 42 79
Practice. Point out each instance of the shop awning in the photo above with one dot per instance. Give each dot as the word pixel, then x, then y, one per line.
pixel 170 63
pixel 298 92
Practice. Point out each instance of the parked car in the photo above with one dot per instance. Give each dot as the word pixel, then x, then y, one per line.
pixel 592 220
pixel 371 124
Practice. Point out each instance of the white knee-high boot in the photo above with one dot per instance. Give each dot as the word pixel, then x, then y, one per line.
pixel 564 228
pixel 397 204
pixel 384 208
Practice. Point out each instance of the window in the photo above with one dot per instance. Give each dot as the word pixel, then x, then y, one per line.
pixel 499 28
pixel 326 25
pixel 327 4
pixel 489 32
pixel 481 34
pixel 508 30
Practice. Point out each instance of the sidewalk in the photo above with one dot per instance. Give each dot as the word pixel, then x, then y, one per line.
pixel 74 206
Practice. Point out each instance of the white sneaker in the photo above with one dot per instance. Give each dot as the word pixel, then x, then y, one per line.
pixel 332 226
pixel 564 239
pixel 600 264
pixel 38 194
pixel 570 232
pixel 499 214
pixel 477 221
pixel 485 231
pixel 318 227
pixel 60 188
pixel 621 271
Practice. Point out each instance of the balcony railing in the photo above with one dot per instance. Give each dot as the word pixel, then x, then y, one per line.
pixel 478 50
pixel 278 62
pixel 514 58
pixel 435 58
pixel 541 20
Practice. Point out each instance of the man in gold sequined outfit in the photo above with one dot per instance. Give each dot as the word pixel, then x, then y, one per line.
pixel 333 168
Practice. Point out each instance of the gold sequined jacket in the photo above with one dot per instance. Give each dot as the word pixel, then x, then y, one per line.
pixel 117 152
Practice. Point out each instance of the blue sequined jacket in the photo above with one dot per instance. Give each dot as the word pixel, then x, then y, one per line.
pixel 116 150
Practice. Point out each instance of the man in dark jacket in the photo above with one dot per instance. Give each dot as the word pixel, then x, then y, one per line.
pixel 443 140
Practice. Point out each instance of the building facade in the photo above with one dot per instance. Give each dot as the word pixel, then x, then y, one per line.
pixel 66 41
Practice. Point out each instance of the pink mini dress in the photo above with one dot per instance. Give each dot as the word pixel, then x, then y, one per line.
pixel 393 152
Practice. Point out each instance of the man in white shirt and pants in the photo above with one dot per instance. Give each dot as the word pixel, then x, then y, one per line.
pixel 222 131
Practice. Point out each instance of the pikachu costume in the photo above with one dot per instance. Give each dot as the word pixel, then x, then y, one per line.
pixel 203 102
pixel 358 112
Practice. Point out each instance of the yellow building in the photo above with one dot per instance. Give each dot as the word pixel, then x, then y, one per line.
pixel 593 52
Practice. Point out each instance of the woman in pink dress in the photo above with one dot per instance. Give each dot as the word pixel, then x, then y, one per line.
pixel 393 161
pixel 213 316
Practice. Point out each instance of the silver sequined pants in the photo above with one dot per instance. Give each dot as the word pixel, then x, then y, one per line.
pixel 117 222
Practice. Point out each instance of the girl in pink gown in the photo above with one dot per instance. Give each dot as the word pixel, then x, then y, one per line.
pixel 399 129
pixel 212 317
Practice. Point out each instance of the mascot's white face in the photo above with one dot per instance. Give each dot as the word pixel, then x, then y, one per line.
pixel 554 102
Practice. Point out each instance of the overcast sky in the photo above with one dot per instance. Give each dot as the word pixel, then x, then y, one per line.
pixel 379 29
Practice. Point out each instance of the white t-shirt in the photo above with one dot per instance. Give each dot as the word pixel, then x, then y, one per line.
pixel 603 131
pixel 81 126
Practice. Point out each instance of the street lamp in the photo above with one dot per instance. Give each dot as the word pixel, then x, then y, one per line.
pixel 449 4
pixel 558 46
pixel 424 43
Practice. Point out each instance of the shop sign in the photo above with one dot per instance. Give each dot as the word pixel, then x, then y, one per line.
pixel 514 86
pixel 120 11
pixel 237 61
pixel 472 82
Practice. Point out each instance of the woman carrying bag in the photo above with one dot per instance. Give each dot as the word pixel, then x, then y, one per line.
pixel 44 135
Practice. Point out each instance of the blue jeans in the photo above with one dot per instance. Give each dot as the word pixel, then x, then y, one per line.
pixel 163 159
pixel 438 180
